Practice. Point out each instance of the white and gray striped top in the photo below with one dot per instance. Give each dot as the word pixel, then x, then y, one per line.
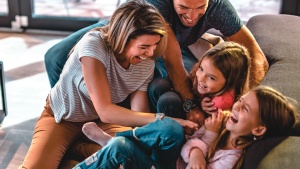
pixel 69 98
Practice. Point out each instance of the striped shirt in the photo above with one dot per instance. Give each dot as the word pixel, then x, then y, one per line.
pixel 69 98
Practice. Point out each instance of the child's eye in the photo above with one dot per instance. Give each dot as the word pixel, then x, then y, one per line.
pixel 201 69
pixel 245 108
pixel 211 78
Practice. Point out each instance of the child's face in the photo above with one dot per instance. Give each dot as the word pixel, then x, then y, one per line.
pixel 210 79
pixel 244 116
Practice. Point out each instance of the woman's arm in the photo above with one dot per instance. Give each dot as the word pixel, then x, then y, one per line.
pixel 98 87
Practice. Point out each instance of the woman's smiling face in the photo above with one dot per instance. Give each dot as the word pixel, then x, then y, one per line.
pixel 140 48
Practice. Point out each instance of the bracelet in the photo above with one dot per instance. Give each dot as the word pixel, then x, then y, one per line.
pixel 159 116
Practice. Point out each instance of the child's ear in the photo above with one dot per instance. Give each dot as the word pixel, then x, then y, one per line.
pixel 259 131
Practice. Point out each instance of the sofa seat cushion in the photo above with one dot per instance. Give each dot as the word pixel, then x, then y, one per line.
pixel 279 38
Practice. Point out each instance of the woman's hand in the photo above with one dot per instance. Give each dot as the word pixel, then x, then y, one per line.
pixel 197 159
pixel 214 122
pixel 208 106
pixel 189 126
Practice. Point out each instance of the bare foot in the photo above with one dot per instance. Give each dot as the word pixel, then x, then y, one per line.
pixel 94 133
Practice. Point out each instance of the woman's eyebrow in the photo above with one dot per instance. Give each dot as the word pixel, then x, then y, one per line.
pixel 146 45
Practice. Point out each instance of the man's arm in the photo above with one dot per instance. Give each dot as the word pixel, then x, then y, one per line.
pixel 178 75
pixel 259 63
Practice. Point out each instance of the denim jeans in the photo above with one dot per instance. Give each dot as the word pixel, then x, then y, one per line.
pixel 162 96
pixel 56 56
pixel 157 144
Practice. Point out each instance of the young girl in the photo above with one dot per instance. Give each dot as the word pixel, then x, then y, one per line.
pixel 221 76
pixel 262 112
pixel 218 79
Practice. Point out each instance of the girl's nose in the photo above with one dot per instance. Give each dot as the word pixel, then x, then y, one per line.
pixel 200 77
pixel 237 106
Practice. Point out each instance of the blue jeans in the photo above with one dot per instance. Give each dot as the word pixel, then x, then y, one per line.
pixel 157 144
pixel 56 56
pixel 162 96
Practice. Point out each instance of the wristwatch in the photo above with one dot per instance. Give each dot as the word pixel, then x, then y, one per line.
pixel 188 105
pixel 159 116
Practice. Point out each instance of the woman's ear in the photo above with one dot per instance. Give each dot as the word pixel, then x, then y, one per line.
pixel 259 131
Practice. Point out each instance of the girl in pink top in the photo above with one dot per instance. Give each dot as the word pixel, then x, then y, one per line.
pixel 221 76
pixel 262 112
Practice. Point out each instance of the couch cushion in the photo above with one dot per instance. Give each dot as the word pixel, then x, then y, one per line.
pixel 279 38
pixel 259 150
pixel 285 155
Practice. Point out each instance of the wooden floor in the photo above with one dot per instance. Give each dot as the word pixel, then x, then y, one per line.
pixel 27 87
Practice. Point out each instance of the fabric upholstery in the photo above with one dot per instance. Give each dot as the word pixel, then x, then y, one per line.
pixel 279 38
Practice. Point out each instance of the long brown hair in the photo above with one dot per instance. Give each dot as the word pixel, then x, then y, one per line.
pixel 276 114
pixel 233 60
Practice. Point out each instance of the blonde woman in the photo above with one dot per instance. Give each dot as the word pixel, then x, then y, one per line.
pixel 108 65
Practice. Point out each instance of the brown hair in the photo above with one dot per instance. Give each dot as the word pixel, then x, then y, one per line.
pixel 233 60
pixel 132 19
pixel 276 114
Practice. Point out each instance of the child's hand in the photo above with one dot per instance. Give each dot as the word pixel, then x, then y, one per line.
pixel 197 159
pixel 208 106
pixel 214 122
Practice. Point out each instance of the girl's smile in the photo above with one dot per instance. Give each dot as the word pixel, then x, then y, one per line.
pixel 244 116
pixel 210 79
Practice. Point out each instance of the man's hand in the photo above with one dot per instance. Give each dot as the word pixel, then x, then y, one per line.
pixel 259 64
pixel 196 116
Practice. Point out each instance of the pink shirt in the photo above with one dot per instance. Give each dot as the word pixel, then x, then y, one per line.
pixel 202 139
pixel 224 101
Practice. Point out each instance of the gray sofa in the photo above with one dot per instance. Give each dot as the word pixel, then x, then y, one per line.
pixel 279 38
